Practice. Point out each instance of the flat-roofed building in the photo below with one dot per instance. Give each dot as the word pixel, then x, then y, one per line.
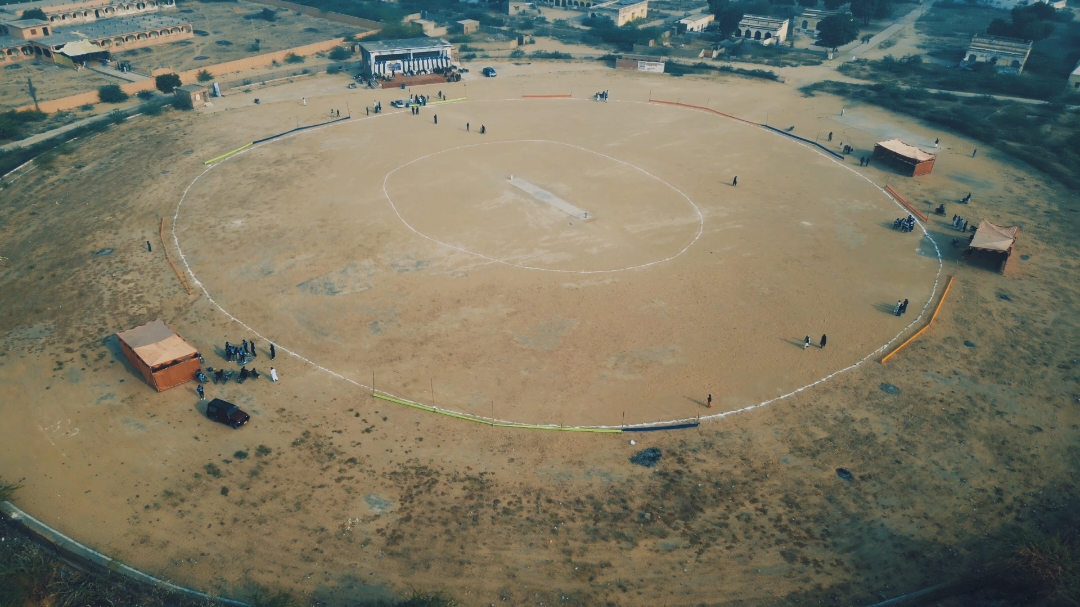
pixel 1008 54
pixel 694 23
pixel 807 22
pixel 1074 80
pixel 65 12
pixel 765 30
pixel 409 56
pixel 90 41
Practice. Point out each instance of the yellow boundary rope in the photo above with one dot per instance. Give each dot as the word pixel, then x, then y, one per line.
pixel 944 294
pixel 227 154
pixel 445 101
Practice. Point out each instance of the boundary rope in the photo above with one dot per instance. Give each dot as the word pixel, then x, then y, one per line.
pixel 161 233
pixel 675 423
pixel 933 317
pixel 906 203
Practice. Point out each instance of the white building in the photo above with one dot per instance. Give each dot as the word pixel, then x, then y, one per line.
pixel 765 30
pixel 807 22
pixel 1008 54
pixel 386 57
pixel 694 24
pixel 1074 80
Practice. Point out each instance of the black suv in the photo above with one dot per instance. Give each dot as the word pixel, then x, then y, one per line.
pixel 226 413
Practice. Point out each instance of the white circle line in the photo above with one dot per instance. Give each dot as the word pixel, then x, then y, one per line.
pixel 701 218
pixel 492 420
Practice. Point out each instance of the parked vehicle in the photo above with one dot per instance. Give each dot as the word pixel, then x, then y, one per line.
pixel 490 72
pixel 399 103
pixel 226 413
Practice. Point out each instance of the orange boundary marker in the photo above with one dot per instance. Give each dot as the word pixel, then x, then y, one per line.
pixel 922 330
pixel 546 96
pixel 906 204
pixel 701 107
pixel 161 233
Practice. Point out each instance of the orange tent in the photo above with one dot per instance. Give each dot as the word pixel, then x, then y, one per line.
pixel 164 358
pixel 996 240
pixel 911 158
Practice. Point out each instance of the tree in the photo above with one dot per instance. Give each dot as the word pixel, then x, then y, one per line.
pixel 728 20
pixel 862 9
pixel 34 13
pixel 1028 23
pixel 837 30
pixel 166 82
pixel 204 76
pixel 808 3
pixel 883 9
pixel 112 93
pixel 832 5
pixel 340 53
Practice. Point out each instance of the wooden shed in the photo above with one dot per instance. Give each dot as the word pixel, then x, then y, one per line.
pixel 995 241
pixel 197 94
pixel 164 358
pixel 913 160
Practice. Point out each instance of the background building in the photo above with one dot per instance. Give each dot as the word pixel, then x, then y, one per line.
pixel 807 22
pixel 389 57
pixel 623 11
pixel 65 12
pixel 1008 54
pixel 694 24
pixel 1074 79
pixel 765 30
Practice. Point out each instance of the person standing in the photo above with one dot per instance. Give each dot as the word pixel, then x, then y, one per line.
pixel 149 249
pixel 735 181
pixel 822 344
pixel 273 374
pixel 903 309
pixel 436 119
pixel 201 391
pixel 899 307
pixel 483 130
pixel 304 101
pixel 830 135
pixel 973 153
pixel 273 353
pixel 243 346
pixel 708 401
pixel 806 343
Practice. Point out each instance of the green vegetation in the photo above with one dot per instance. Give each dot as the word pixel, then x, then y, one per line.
pixel 604 30
pixel 145 95
pixel 34 13
pixel 1045 136
pixel 549 55
pixel 111 93
pixel 7 490
pixel 871 9
pixel 1029 22
pixel 1046 566
pixel 837 30
pixel 291 58
pixel 340 53
pixel 204 76
pixel 13 124
pixel 680 69
pixel 167 83
pixel 913 72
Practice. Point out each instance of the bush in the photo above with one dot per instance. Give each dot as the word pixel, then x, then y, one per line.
pixel 86 107
pixel 204 76
pixel 291 58
pixel 152 109
pixel 166 83
pixel 145 95
pixel 267 14
pixel 117 117
pixel 334 69
pixel 340 53
pixel 517 53
pixel 112 93
pixel 34 13
pixel 182 103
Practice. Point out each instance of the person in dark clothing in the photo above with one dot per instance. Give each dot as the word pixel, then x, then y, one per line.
pixel 903 310
pixel 708 402
pixel 219 376
pixel 273 353
pixel 149 249
pixel 822 344
pixel 243 346
pixel 244 374
pixel 830 135
pixel 483 130
pixel 735 181
pixel 466 127
pixel 436 119
pixel 202 392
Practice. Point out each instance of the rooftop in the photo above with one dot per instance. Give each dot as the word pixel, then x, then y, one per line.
pixel 762 22
pixel 469 22
pixel 45 4
pixel 405 44
pixel 107 28
pixel 696 18
pixel 1000 43
pixel 12 42
pixel 813 13
pixel 193 88
pixel 25 23
pixel 909 151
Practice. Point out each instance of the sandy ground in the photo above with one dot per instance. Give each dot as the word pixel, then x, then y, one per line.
pixel 969 432
pixel 51 81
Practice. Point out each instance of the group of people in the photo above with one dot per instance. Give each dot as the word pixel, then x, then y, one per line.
pixel 901 307
pixel 806 342
pixel 335 113
pixel 375 107
pixel 904 224
pixel 959 223
pixel 864 161
pixel 601 96
pixel 966 199
pixel 241 354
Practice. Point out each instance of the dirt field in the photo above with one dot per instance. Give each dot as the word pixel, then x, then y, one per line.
pixel 50 80
pixel 329 492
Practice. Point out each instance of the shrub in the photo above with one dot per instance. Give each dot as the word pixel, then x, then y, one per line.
pixel 340 53
pixel 166 83
pixel 204 76
pixel 267 14
pixel 86 107
pixel 182 103
pixel 517 53
pixel 145 95
pixel 112 93
pixel 152 109
pixel 34 13
pixel 291 58
pixel 117 117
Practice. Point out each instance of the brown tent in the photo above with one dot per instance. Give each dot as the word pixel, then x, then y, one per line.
pixel 162 356
pixel 994 240
pixel 912 159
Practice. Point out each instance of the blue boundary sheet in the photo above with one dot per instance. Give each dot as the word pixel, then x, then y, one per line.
pixel 302 128
pixel 686 426
pixel 813 143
